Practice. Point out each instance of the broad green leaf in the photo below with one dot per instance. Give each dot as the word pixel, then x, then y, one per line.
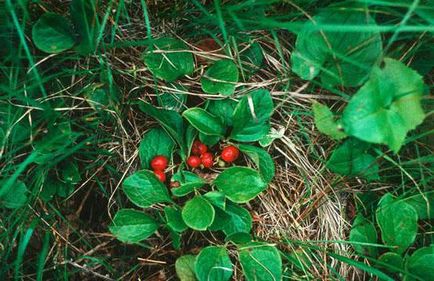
pixel 423 204
pixel 352 159
pixel 220 78
pixel 184 267
pixel 176 238
pixel 260 262
pixel 198 213
pixel 188 182
pixel 168 59
pixel 131 226
pixel 421 264
pixel 85 19
pixel 251 118
pixel 398 223
pixel 155 142
pixel 239 238
pixel 144 189
pixel 213 264
pixel 173 100
pixel 240 184
pixel 170 120
pixel 204 122
pixel 387 107
pixel 70 173
pixel 15 197
pixel 224 109
pixel 251 59
pixel 49 188
pixel 208 139
pixel 174 219
pixel 325 122
pixel 392 260
pixel 216 198
pixel 363 231
pixel 262 160
pixel 53 34
pixel 236 219
pixel 339 57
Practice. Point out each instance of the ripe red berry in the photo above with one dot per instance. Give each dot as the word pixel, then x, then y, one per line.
pixel 159 162
pixel 195 148
pixel 207 160
pixel 160 175
pixel 230 153
pixel 202 148
pixel 194 161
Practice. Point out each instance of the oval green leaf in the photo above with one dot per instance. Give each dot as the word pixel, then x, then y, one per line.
pixel 204 122
pixel 131 226
pixel 184 267
pixel 155 142
pixel 260 262
pixel 421 263
pixel 262 160
pixel 213 264
pixel 220 78
pixel 325 122
pixel 198 213
pixel 363 231
pixel 174 219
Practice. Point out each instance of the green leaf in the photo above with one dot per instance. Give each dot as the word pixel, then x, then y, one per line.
pixel 351 159
pixel 53 34
pixel 392 261
pixel 216 198
pixel 173 100
pixel 213 264
pixel 184 267
pixel 325 122
pixel 423 203
pixel 421 264
pixel 85 19
pixel 240 184
pixel 176 238
pixel 262 160
pixel 168 59
pixel 260 262
pixel 188 183
pixel 236 219
pixel 220 78
pixel 224 109
pixel 198 213
pixel 170 120
pixel 155 142
pixel 398 223
pixel 387 107
pixel 174 219
pixel 204 122
pixel 70 173
pixel 363 231
pixel 209 140
pixel 272 135
pixel 144 189
pixel 15 197
pixel 252 59
pixel 340 57
pixel 131 226
pixel 251 118
pixel 239 238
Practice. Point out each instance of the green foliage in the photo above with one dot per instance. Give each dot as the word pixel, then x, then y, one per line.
pixel 248 184
pixel 198 213
pixel 204 122
pixel 144 189
pixel 188 182
pixel 363 231
pixel 174 219
pixel 423 203
pixel 15 197
pixel 184 266
pixel 131 226
pixel 326 123
pixel 85 19
pixel 339 57
pixel 262 160
pixel 223 109
pixel 260 262
pixel 392 260
pixel 213 264
pixel 420 263
pixel 155 142
pixel 168 59
pixel 235 219
pixel 220 78
pixel 251 59
pixel 53 33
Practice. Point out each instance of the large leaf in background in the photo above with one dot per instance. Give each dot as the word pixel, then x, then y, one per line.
pixel 398 223
pixel 155 142
pixel 421 264
pixel 213 264
pixel 260 262
pixel 220 78
pixel 184 267
pixel 339 57
pixel 224 109
pixel 144 189
pixel 188 182
pixel 168 59
pixel 85 19
pixel 171 120
pixel 240 184
pixel 15 197
pixel 325 122
pixel 131 226
pixel 53 33
pixel 363 231
pixel 423 203
pixel 262 160
pixel 198 213
pixel 251 118
pixel 387 106
pixel 392 260
pixel 204 122
pixel 352 159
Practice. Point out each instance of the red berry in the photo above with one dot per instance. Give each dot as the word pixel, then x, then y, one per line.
pixel 160 175
pixel 207 160
pixel 230 153
pixel 195 148
pixel 159 162
pixel 202 148
pixel 194 161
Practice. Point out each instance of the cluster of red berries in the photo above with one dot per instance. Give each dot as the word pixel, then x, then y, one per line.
pixel 159 164
pixel 201 156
